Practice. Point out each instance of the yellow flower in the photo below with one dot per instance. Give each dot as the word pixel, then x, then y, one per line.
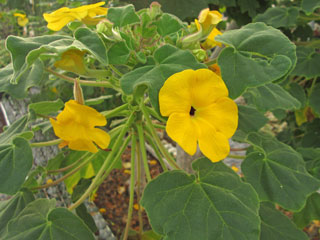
pixel 72 61
pixel 210 42
pixel 22 19
pixel 199 111
pixel 87 14
pixel 75 125
pixel 208 18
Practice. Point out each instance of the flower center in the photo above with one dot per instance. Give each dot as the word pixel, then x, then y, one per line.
pixel 192 111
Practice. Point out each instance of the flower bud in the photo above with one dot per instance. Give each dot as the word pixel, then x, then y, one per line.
pixel 105 26
pixel 155 10
pixel 200 54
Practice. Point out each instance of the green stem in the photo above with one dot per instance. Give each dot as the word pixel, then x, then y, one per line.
pixel 159 126
pixel 113 68
pixel 119 153
pixel 157 152
pixel 162 149
pixel 236 156
pixel 96 179
pixel 68 174
pixel 115 111
pixel 139 191
pixel 46 144
pixel 143 151
pixel 312 86
pixel 132 182
pixel 156 115
pixel 210 62
pixel 67 167
pixel 82 82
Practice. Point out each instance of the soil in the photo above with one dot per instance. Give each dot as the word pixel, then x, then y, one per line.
pixel 112 197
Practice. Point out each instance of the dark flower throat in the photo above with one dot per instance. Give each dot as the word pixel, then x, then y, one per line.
pixel 192 111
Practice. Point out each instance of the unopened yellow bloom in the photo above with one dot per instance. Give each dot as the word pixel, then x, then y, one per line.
pixel 199 111
pixel 76 126
pixel 22 19
pixel 87 14
pixel 208 18
pixel 72 61
pixel 210 42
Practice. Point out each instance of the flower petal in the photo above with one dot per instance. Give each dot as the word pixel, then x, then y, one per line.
pixel 182 129
pixel 83 145
pixel 222 115
pixel 206 87
pixel 81 114
pixel 100 137
pixel 210 42
pixel 60 23
pixel 174 96
pixel 213 144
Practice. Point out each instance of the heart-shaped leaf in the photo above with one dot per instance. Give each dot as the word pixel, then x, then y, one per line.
pixel 15 163
pixel 9 209
pixel 255 55
pixel 277 172
pixel 308 6
pixel 31 77
pixel 168 24
pixel 214 204
pixel 271 97
pixel 40 220
pixel 308 62
pixel 122 16
pixel 279 16
pixel 19 49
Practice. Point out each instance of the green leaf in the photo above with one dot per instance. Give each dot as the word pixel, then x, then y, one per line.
pixel 308 6
pixel 215 204
pixel 312 158
pixel 308 62
pixel 19 49
pixel 277 172
pixel 122 16
pixel 255 55
pixel 92 42
pixel 86 217
pixel 40 220
pixel 279 16
pixel 119 53
pixel 87 171
pixel 31 77
pixel 167 61
pixel 311 211
pixel 9 209
pixel 298 93
pixel 311 137
pixel 271 97
pixel 14 130
pixel 46 107
pixel 276 226
pixel 15 163
pixel 314 99
pixel 250 120
pixel 168 24
pixel 249 6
